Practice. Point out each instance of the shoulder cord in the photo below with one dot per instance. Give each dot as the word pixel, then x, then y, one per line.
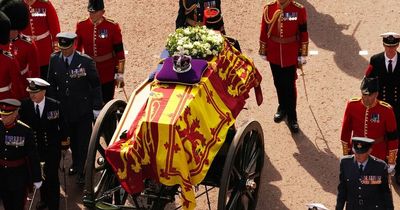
pixel 190 9
pixel 271 22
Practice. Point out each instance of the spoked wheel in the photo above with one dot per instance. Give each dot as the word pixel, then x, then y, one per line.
pixel 241 174
pixel 100 182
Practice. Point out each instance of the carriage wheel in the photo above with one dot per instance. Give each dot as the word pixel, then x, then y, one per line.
pixel 241 174
pixel 100 181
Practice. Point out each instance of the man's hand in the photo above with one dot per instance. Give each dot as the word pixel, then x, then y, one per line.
pixel 96 113
pixel 391 168
pixel 37 185
pixel 65 143
pixel 119 78
pixel 302 60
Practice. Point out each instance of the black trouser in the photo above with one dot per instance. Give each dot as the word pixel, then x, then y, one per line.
pixel 108 91
pixel 285 84
pixel 50 190
pixel 43 72
pixel 80 132
pixel 13 199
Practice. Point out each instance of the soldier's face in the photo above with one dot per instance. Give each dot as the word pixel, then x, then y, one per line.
pixel 96 15
pixel 391 50
pixel 38 96
pixel 9 119
pixel 369 100
pixel 13 34
pixel 67 52
pixel 363 156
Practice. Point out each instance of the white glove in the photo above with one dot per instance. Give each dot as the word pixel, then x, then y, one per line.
pixel 391 168
pixel 263 57
pixel 119 77
pixel 37 184
pixel 302 60
pixel 96 113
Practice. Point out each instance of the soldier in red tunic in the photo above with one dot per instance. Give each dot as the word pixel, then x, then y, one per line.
pixel 284 41
pixel 101 39
pixel 42 30
pixel 10 82
pixel 20 46
pixel 369 117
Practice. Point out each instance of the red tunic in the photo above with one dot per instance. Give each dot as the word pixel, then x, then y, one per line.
pixel 288 36
pixel 25 52
pixel 43 28
pixel 102 42
pixel 10 82
pixel 377 122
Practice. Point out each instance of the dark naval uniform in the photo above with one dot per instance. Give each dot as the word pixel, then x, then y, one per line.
pixel 388 72
pixel 192 13
pixel 77 86
pixel 47 132
pixel 365 190
pixel 19 164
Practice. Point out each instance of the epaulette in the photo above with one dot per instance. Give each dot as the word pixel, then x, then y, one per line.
pixel 82 20
pixel 271 2
pixel 22 123
pixel 354 99
pixel 25 38
pixel 110 20
pixel 385 104
pixel 297 4
pixel 7 53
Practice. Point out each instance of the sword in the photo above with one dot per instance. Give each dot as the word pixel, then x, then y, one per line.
pixel 65 180
pixel 33 199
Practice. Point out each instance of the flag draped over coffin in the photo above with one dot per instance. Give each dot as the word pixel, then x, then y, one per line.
pixel 178 132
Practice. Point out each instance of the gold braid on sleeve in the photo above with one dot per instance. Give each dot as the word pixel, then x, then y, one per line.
pixel 121 66
pixel 262 48
pixel 345 147
pixel 391 158
pixel 304 49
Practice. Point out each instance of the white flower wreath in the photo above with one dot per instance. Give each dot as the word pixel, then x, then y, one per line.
pixel 198 42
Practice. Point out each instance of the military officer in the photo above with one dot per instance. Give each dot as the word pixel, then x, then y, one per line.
pixel 75 83
pixel 199 13
pixel 43 28
pixel 369 117
pixel 284 42
pixel 363 179
pixel 19 160
pixel 9 68
pixel 21 46
pixel 101 39
pixel 43 115
pixel 386 67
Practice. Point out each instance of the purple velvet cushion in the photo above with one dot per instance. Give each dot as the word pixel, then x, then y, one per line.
pixel 193 76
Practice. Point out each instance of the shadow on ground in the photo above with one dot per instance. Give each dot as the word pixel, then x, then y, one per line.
pixel 329 35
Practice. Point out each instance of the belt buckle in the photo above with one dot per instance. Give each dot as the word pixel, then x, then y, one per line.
pixel 360 202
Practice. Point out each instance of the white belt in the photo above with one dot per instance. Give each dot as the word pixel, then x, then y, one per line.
pixel 39 37
pixel 23 71
pixel 6 88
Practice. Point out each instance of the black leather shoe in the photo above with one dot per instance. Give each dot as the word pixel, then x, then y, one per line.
pixel 279 116
pixel 72 171
pixel 293 126
pixel 41 205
